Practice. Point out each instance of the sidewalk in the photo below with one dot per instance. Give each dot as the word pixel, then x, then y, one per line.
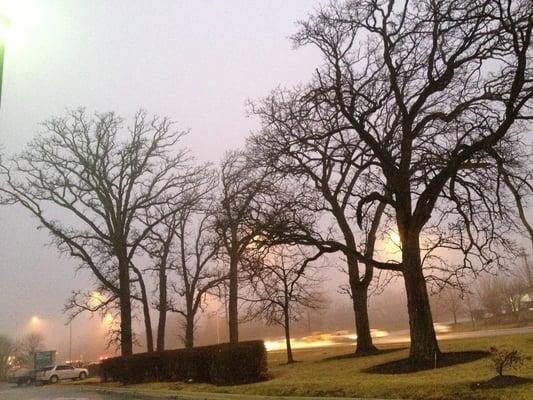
pixel 168 394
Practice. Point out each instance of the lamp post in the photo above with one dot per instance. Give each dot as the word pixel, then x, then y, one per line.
pixel 70 341
pixel 4 26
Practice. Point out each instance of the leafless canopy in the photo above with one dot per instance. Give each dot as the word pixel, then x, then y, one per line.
pixel 103 176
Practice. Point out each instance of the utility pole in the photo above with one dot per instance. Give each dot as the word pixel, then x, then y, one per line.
pixel 70 341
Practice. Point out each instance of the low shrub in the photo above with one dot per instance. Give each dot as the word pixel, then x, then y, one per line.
pixel 94 369
pixel 233 365
pixel 221 364
pixel 506 358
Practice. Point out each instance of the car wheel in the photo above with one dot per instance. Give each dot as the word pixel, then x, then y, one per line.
pixel 83 375
pixel 54 379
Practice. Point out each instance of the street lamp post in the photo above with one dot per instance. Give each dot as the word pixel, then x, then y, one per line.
pixel 70 341
pixel 4 25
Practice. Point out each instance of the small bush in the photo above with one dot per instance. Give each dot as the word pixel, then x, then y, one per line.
pixel 503 358
pixel 221 364
pixel 94 369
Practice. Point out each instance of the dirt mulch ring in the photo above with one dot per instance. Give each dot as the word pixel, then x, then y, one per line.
pixel 355 355
pixel 406 366
pixel 499 382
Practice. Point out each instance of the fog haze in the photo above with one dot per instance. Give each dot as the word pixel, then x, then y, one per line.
pixel 196 62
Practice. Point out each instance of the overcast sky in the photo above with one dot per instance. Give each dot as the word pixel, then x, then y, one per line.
pixel 194 61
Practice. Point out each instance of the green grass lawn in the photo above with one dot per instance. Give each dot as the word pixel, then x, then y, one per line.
pixel 315 375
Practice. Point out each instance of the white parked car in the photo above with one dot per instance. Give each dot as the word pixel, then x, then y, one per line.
pixel 56 373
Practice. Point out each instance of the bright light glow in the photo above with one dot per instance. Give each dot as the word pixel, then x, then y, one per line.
pixel 24 16
pixel 393 243
pixel 108 320
pixel 395 239
pixel 272 345
pixel 96 299
pixel 339 338
pixel 35 319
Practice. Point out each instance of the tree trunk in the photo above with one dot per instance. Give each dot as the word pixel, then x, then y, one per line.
pixel 161 325
pixel 126 340
pixel 189 332
pixel 424 346
pixel 147 322
pixel 233 312
pixel 362 324
pixel 146 311
pixel 286 326
pixel 359 292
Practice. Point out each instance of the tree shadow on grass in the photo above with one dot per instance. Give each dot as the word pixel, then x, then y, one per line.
pixel 354 355
pixel 406 366
pixel 499 382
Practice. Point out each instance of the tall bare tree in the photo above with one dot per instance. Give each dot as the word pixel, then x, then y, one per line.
pixel 430 87
pixel 163 243
pixel 282 286
pixel 308 143
pixel 196 266
pixel 242 182
pixel 87 179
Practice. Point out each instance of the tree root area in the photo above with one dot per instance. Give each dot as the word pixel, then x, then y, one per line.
pixel 407 365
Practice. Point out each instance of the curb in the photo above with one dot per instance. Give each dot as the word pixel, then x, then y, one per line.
pixel 180 395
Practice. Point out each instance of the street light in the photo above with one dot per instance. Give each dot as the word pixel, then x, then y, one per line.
pixel 4 27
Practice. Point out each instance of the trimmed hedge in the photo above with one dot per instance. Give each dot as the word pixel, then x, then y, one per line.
pixel 222 364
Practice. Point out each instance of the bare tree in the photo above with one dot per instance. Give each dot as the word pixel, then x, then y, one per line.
pixel 432 88
pixel 86 182
pixel 241 183
pixel 198 272
pixel 26 348
pixel 282 287
pixel 6 352
pixel 163 243
pixel 308 143
pixel 451 300
pixel 525 271
pixel 489 295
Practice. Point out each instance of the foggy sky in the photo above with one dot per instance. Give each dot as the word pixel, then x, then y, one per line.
pixel 194 61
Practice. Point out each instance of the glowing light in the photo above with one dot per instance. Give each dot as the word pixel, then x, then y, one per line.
pixel 393 243
pixel 338 338
pixel 395 239
pixel 23 17
pixel 108 319
pixel 35 319
pixel 272 345
pixel 96 299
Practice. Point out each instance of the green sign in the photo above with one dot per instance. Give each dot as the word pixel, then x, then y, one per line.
pixel 44 359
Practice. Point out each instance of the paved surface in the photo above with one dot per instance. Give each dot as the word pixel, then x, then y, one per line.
pixel 51 392
pixel 403 336
pixel 13 392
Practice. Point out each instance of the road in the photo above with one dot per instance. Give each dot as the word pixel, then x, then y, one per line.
pixel 12 392
pixel 403 336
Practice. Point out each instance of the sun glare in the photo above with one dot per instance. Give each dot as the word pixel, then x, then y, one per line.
pixel 18 20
